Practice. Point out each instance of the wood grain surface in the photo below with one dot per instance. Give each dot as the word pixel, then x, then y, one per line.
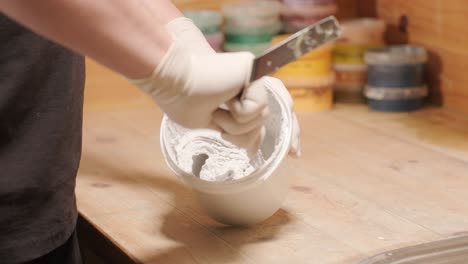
pixel 367 182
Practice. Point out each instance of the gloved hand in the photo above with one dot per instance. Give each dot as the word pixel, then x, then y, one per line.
pixel 185 31
pixel 192 83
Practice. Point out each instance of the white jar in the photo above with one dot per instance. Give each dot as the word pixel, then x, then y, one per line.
pixel 256 197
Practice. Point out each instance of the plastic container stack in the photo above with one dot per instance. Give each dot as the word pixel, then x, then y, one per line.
pixel 209 22
pixel 310 79
pixel 396 78
pixel 351 72
pixel 298 14
pixel 250 26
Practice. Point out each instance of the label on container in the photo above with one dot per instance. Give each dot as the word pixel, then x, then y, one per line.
pixel 395 93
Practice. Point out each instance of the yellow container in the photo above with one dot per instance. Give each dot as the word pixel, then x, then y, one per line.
pixel 312 94
pixel 315 63
pixel 351 53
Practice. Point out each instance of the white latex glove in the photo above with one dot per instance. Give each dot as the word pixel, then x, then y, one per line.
pixel 192 82
pixel 186 32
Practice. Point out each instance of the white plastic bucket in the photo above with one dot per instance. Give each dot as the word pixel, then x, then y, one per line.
pixel 256 197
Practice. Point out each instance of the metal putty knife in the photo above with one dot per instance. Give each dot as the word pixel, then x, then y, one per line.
pixel 295 46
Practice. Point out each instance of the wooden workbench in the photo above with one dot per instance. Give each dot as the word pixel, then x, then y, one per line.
pixel 367 182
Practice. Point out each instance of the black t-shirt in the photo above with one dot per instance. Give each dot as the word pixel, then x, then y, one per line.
pixel 41 101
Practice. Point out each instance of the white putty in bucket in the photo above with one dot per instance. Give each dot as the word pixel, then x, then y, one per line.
pixel 205 154
pixel 212 158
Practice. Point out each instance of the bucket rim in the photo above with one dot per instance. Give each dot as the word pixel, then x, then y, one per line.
pixel 232 186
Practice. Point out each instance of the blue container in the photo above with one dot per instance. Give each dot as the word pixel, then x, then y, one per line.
pixel 394 99
pixel 404 75
pixel 396 78
pixel 396 66
pixel 403 105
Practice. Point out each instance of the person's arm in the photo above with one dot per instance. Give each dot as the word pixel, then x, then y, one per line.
pixel 128 36
pixel 162 53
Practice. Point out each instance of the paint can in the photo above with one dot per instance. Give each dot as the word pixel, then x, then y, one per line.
pixel 349 53
pixel 358 35
pixel 251 14
pixel 312 94
pixel 255 48
pixel 209 22
pixel 396 99
pixel 255 197
pixel 315 63
pixel 363 31
pixel 396 78
pixel 250 26
pixel 350 81
pixel 396 66
pixel 309 79
pixel 297 15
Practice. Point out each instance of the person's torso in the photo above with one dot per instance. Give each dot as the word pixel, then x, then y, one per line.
pixel 41 100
